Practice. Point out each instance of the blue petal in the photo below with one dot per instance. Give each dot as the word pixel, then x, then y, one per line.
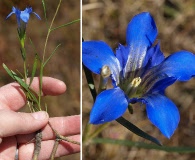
pixel 25 16
pixel 180 65
pixel 161 83
pixel 37 15
pixel 16 11
pixel 96 54
pixel 141 29
pixel 141 34
pixel 9 15
pixel 155 56
pixel 109 105
pixel 28 10
pixel 122 55
pixel 155 80
pixel 162 112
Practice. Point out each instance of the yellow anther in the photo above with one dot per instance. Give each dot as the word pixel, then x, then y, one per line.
pixel 136 82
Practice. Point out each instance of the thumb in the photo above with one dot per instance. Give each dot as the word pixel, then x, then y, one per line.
pixel 12 123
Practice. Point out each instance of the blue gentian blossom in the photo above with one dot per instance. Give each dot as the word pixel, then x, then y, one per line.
pixel 22 15
pixel 139 73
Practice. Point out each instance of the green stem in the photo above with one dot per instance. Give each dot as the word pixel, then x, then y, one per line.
pixel 98 130
pixel 136 130
pixel 44 52
pixel 90 82
pixel 23 53
pixel 40 85
pixel 64 25
pixel 49 30
pixel 25 72
pixel 86 132
pixel 143 145
pixel 87 137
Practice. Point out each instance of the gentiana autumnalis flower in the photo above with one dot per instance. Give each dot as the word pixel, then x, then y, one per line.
pixel 22 15
pixel 139 73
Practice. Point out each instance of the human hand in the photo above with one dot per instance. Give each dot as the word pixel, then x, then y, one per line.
pixel 17 129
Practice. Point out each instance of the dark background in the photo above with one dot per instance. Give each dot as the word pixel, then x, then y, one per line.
pixel 107 21
pixel 64 65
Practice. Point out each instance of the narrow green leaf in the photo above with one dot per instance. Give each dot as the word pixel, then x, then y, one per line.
pixel 64 25
pixel 40 84
pixel 130 108
pixel 30 93
pixel 144 145
pixel 34 69
pixel 44 9
pixel 8 71
pixel 136 130
pixel 36 53
pixel 46 108
pixel 90 82
pixel 20 73
pixel 51 55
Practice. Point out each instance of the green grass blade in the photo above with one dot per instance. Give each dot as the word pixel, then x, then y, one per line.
pixel 8 71
pixel 19 73
pixel 137 131
pixel 36 53
pixel 143 145
pixel 30 93
pixel 51 55
pixel 64 25
pixel 44 9
pixel 40 84
pixel 34 69
pixel 90 82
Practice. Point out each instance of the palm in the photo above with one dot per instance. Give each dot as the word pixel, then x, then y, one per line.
pixel 18 131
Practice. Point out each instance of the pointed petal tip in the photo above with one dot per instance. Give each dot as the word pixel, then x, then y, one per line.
pixel 147 34
pixel 167 134
pixel 94 121
pixel 184 61
pixel 163 113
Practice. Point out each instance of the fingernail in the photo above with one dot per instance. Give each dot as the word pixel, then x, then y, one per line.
pixel 41 115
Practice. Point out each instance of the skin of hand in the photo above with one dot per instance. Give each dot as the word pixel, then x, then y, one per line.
pixel 17 129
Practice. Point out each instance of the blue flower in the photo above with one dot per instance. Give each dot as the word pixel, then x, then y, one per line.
pixel 139 73
pixel 22 15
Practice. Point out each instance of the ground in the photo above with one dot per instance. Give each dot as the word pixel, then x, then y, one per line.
pixel 107 21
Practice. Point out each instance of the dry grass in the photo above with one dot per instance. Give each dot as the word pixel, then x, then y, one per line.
pixel 107 21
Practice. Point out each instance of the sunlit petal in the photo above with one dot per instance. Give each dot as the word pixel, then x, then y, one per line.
pixel 96 54
pixel 110 105
pixel 141 34
pixel 163 113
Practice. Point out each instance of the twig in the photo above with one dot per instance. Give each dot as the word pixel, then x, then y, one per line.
pixel 52 156
pixel 38 139
pixel 57 141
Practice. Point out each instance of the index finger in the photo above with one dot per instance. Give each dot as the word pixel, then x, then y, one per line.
pixel 66 126
pixel 12 97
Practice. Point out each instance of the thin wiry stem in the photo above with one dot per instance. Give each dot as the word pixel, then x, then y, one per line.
pixel 57 141
pixel 44 50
